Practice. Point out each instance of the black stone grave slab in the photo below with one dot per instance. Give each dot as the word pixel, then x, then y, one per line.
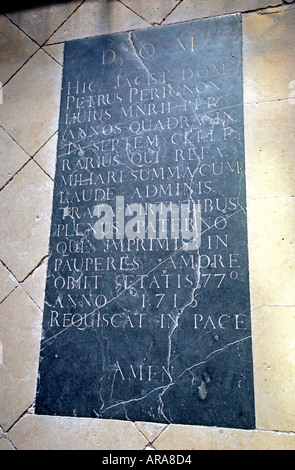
pixel 147 311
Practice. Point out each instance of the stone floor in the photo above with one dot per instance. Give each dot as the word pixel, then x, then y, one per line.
pixel 31 53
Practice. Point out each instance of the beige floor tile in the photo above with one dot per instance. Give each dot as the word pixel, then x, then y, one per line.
pixel 270 149
pixel 151 10
pixel 269 54
pixel 46 156
pixel 40 23
pixel 96 17
pixel 25 207
pixel 177 437
pixel 34 285
pixel 194 9
pixel 272 251
pixel 15 48
pixel 150 430
pixel 5 444
pixel 35 89
pixel 30 115
pixel 7 282
pixel 61 433
pixel 20 329
pixel 274 359
pixel 12 157
pixel 56 51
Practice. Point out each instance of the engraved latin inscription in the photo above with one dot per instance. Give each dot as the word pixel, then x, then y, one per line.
pixel 147 312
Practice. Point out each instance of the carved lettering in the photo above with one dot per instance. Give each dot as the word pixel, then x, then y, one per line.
pixel 147 311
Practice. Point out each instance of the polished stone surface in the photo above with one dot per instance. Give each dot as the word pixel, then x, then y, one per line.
pixel 146 321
